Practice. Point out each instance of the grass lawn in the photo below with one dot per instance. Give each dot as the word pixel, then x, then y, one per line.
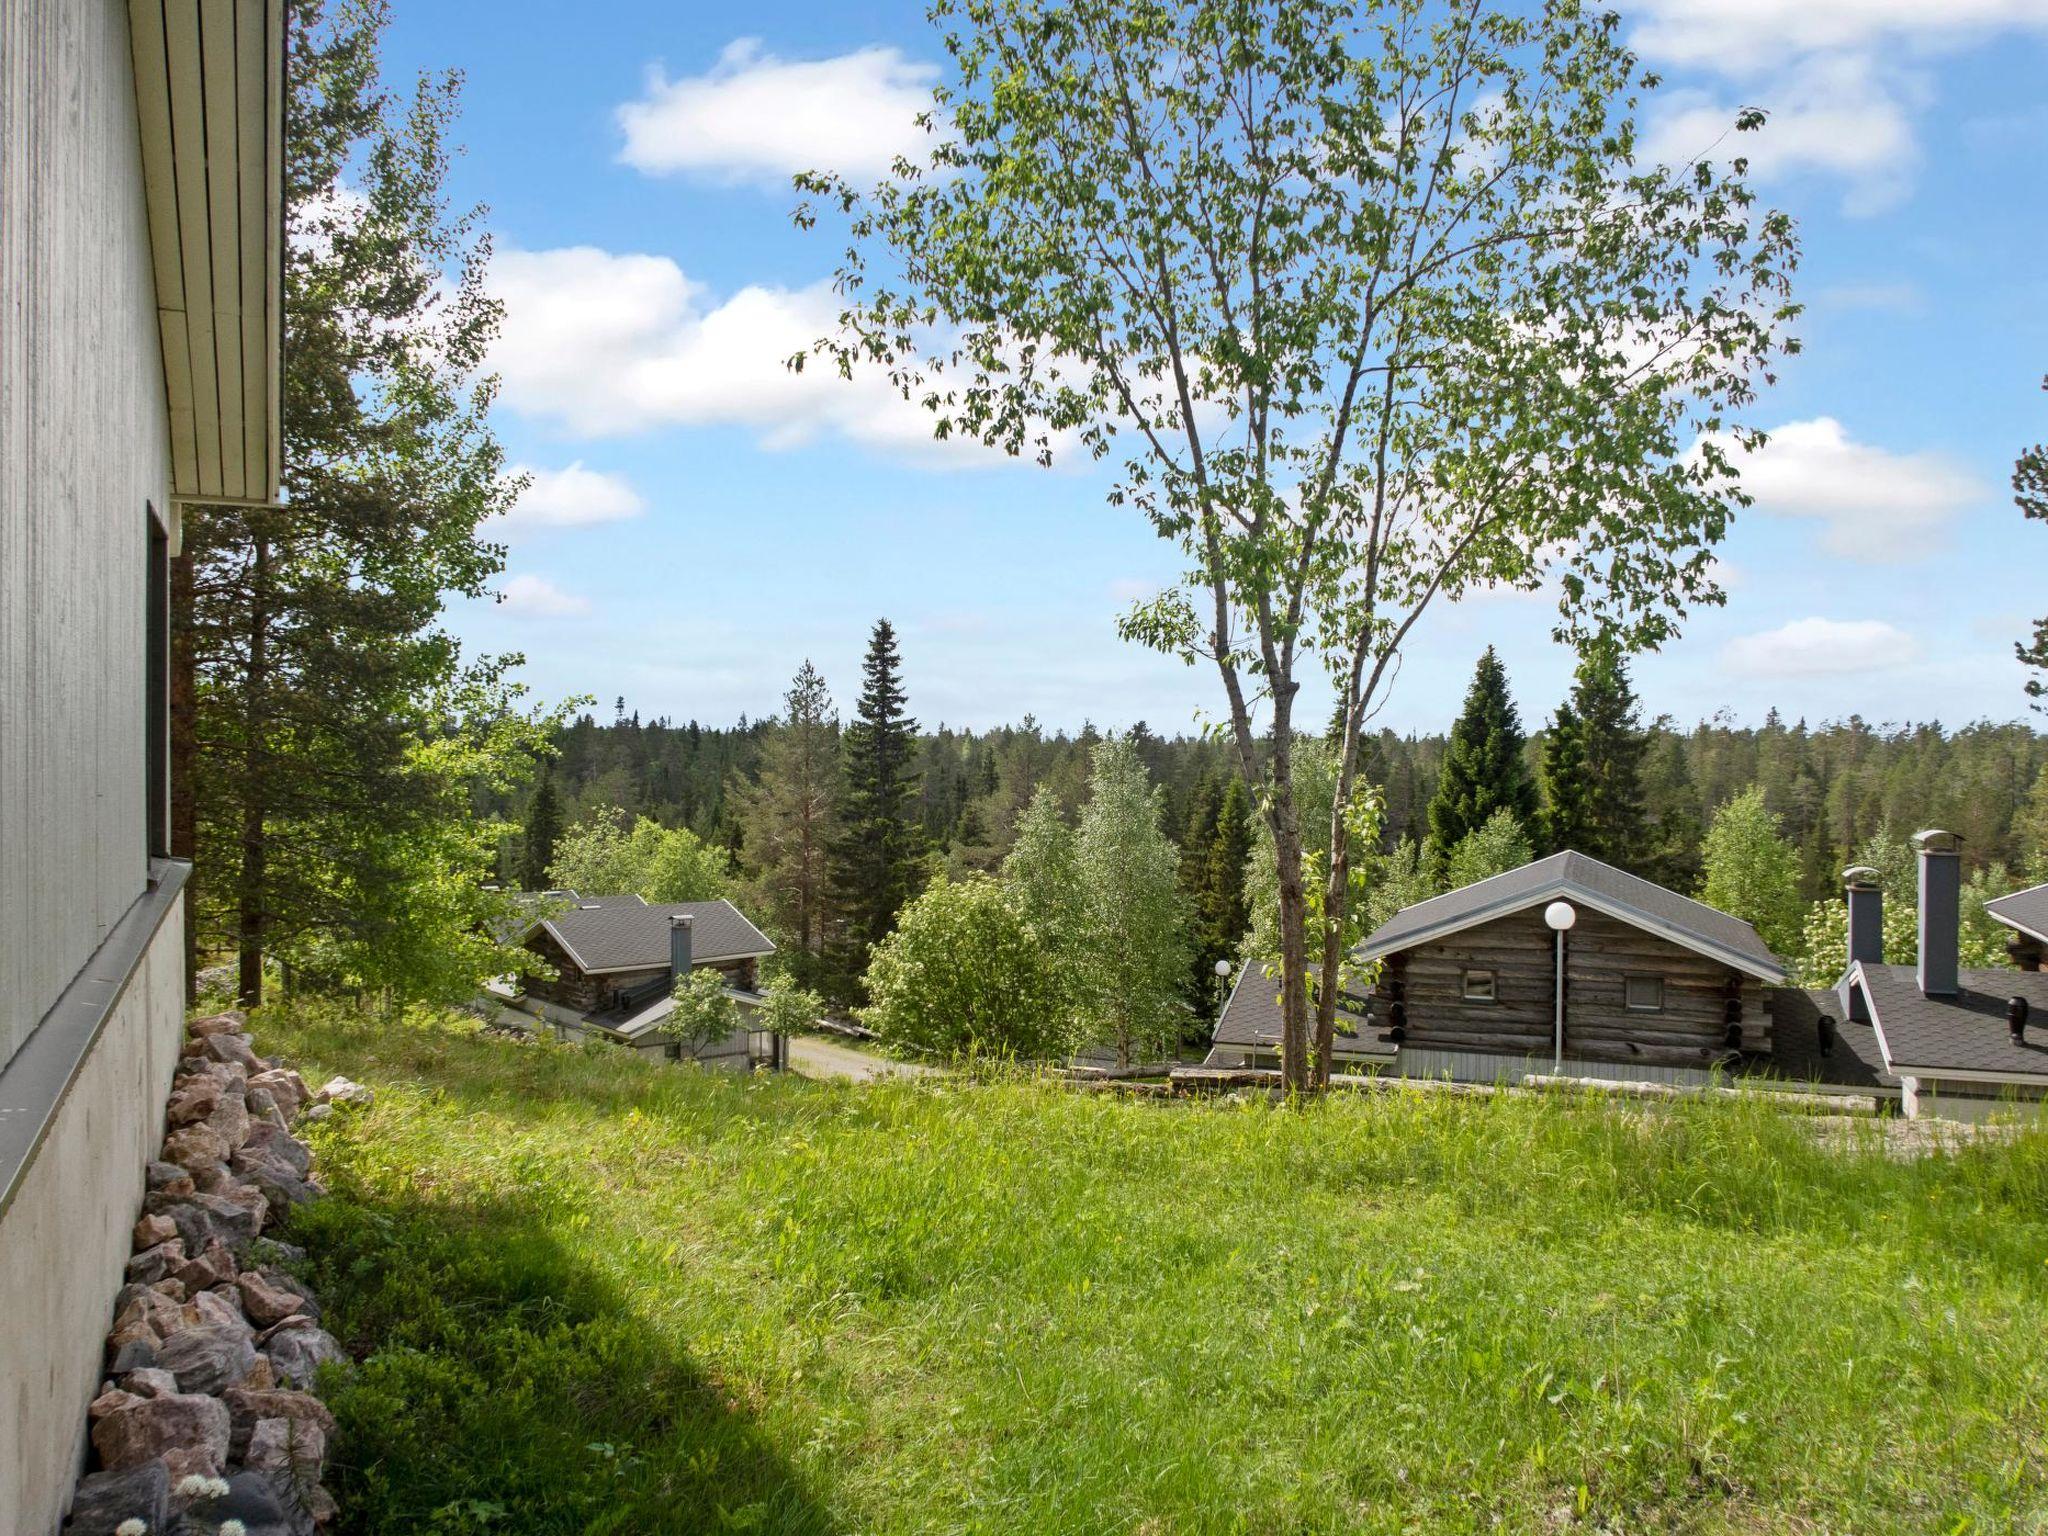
pixel 594 1295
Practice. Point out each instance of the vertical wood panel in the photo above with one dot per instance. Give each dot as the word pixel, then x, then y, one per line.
pixel 224 244
pixel 83 436
pixel 188 131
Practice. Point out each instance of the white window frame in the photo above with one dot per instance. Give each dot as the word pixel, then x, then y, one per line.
pixel 1632 1006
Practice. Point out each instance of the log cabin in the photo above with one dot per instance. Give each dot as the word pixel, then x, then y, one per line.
pixel 1483 983
pixel 615 960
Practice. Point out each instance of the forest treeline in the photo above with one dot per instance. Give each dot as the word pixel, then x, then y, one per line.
pixel 795 814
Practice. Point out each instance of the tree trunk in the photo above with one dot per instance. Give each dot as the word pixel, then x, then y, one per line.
pixel 1286 820
pixel 185 754
pixel 251 881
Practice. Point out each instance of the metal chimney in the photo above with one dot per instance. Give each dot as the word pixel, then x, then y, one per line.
pixel 1866 930
pixel 679 925
pixel 1941 893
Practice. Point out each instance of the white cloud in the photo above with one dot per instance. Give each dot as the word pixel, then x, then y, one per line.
pixel 537 597
pixel 1821 647
pixel 754 116
pixel 573 497
pixel 1873 504
pixel 1832 115
pixel 1752 33
pixel 605 344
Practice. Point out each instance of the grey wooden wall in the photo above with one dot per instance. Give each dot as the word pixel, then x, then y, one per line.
pixel 82 452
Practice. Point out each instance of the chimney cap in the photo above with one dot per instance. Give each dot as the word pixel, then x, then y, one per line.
pixel 1934 840
pixel 681 920
pixel 1860 876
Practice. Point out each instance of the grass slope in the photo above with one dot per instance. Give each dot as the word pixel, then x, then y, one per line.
pixel 599 1296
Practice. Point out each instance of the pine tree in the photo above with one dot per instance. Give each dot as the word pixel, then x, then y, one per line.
pixel 1593 765
pixel 1484 770
pixel 1225 910
pixel 876 859
pixel 788 818
pixel 543 826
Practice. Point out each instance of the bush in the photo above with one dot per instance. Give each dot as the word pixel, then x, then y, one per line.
pixel 962 973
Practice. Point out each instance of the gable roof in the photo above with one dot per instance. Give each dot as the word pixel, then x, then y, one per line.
pixel 1961 1035
pixel 2026 911
pixel 624 933
pixel 1251 1018
pixel 1575 877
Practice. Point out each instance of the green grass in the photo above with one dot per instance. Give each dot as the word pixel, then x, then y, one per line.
pixel 593 1295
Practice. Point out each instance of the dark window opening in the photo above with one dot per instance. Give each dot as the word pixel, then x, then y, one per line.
pixel 1478 987
pixel 156 687
pixel 1643 994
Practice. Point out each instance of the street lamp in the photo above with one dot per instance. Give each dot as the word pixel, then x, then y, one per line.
pixel 1559 917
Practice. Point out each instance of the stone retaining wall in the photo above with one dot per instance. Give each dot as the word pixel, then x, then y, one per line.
pixel 206 1414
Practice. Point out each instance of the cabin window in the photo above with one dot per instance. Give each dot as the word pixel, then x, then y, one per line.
pixel 1478 987
pixel 1643 994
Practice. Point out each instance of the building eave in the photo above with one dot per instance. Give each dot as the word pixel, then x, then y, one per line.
pixel 209 95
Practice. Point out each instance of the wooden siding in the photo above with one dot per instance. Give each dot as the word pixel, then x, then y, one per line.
pixel 1601 952
pixel 83 451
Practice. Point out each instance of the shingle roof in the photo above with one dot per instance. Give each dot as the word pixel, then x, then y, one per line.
pixel 624 933
pixel 1576 877
pixel 1855 1062
pixel 1964 1033
pixel 2025 910
pixel 1251 1018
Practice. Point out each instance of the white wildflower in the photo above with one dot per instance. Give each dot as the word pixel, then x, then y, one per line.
pixel 131 1527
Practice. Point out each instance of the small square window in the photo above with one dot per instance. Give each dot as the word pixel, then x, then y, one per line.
pixel 1479 987
pixel 1643 994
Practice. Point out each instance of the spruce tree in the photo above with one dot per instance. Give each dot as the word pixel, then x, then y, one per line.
pixel 788 818
pixel 1484 770
pixel 543 826
pixel 1593 764
pixel 1226 910
pixel 1674 824
pixel 876 859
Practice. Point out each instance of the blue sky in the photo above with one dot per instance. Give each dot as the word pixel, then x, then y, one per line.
pixel 701 522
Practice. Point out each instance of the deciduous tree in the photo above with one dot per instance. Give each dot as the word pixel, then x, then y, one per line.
pixel 1379 303
pixel 1493 848
pixel 1753 873
pixel 962 972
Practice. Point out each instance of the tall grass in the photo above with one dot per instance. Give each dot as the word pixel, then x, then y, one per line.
pixel 595 1295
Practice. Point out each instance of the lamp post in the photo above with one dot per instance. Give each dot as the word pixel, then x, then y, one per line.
pixel 1559 915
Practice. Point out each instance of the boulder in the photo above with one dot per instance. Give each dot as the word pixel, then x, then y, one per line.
pixel 230 1118
pixel 185 1431
pixel 213 1179
pixel 135 1353
pixel 221 1308
pixel 261 1377
pixel 339 1090
pixel 264 1108
pixel 209 1357
pixel 105 1500
pixel 155 1263
pixel 194 1146
pixel 213 1265
pixel 319 1112
pixel 265 1302
pixel 232 1022
pixel 151 1230
pixel 269 1141
pixel 287 1445
pixel 297 1354
pixel 233 1048
pixel 280 1187
pixel 284 1086
pixel 149 1382
pixel 110 1401
pixel 266 1505
pixel 248 1406
pixel 169 1179
pixel 193 1099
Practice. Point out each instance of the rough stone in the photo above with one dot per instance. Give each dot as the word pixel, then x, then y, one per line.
pixel 155 1263
pixel 137 1352
pixel 106 1499
pixel 233 1048
pixel 149 1382
pixel 151 1230
pixel 339 1090
pixel 193 1146
pixel 262 1377
pixel 230 1118
pixel 213 1179
pixel 265 1110
pixel 195 1098
pixel 221 1308
pixel 187 1430
pixel 169 1179
pixel 213 1265
pixel 208 1357
pixel 231 1022
pixel 287 1445
pixel 281 1188
pixel 284 1086
pixel 266 1302
pixel 297 1354
pixel 319 1112
pixel 109 1401
pixel 247 1405
pixel 253 1205
pixel 269 1141
pixel 265 1504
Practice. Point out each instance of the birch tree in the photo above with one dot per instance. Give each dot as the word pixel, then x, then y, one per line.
pixel 1374 302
